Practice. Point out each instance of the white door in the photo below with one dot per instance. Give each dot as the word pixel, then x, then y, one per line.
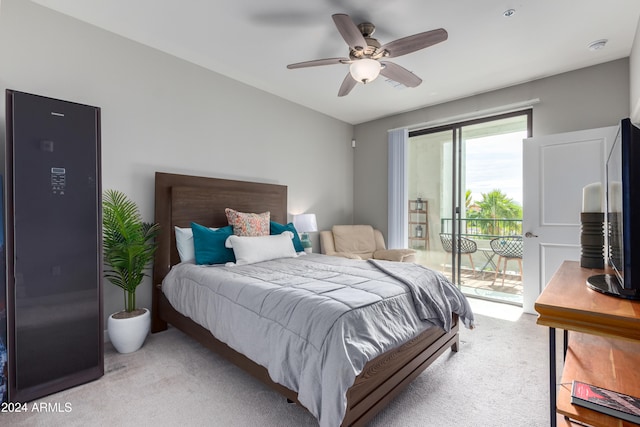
pixel 555 169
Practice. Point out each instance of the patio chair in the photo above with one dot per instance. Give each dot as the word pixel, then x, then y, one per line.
pixel 466 247
pixel 507 248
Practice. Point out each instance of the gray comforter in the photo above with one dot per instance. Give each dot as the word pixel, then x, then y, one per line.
pixel 314 321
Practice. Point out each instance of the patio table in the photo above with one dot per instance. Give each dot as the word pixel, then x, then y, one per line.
pixel 488 255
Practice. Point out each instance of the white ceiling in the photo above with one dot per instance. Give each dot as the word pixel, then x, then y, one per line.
pixel 252 41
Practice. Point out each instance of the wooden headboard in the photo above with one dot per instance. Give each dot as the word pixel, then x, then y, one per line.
pixel 181 199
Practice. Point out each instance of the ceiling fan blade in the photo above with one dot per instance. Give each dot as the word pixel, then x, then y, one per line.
pixel 349 31
pixel 400 74
pixel 415 42
pixel 347 84
pixel 318 62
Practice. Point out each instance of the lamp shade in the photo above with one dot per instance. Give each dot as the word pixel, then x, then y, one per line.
pixel 305 223
pixel 364 70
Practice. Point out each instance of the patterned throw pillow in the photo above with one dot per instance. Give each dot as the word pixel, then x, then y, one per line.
pixel 248 224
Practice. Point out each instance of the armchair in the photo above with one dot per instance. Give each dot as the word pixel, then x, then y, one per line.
pixel 361 242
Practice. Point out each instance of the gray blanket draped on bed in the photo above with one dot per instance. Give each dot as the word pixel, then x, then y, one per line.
pixel 434 296
pixel 315 321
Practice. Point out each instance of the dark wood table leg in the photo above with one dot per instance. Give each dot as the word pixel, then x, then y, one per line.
pixel 552 376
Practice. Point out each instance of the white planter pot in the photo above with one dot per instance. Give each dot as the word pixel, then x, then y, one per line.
pixel 128 335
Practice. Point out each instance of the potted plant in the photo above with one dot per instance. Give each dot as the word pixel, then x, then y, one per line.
pixel 128 246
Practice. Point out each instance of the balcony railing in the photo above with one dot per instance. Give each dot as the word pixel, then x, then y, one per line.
pixel 483 228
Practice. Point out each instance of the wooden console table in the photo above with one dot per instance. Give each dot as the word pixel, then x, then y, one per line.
pixel 603 348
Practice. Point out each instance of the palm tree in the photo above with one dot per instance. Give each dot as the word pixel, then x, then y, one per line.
pixel 497 205
pixel 468 200
pixel 128 244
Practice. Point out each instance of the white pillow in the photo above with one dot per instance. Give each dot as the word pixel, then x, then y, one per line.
pixel 184 243
pixel 252 249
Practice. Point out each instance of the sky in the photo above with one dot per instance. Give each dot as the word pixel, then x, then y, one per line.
pixel 495 162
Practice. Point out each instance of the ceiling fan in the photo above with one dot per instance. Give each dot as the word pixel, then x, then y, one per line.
pixel 366 54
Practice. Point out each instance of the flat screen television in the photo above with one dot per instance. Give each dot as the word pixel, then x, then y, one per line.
pixel 622 203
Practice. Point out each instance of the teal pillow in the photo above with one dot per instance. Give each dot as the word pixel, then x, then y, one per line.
pixel 276 228
pixel 209 244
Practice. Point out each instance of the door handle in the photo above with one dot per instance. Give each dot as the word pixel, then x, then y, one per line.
pixel 529 235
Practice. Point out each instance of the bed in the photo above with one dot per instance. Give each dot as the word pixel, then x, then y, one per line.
pixel 182 199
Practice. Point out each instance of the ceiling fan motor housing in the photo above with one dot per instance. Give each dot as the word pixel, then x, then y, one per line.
pixel 372 50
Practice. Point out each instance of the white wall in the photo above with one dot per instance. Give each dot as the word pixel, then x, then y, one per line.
pixel 160 113
pixel 634 72
pixel 592 97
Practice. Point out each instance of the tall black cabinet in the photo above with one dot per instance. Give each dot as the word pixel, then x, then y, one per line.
pixel 53 245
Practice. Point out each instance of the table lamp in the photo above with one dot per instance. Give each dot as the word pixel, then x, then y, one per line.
pixel 304 224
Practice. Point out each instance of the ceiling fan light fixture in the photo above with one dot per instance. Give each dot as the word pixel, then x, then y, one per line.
pixel 364 70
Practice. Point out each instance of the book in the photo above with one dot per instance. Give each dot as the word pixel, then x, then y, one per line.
pixel 606 401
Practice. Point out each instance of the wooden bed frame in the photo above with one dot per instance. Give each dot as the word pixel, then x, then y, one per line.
pixel 180 199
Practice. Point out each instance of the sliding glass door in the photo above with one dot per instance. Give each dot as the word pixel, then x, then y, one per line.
pixel 465 191
pixel 430 190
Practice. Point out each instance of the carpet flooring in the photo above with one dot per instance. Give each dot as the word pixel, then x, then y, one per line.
pixel 498 378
